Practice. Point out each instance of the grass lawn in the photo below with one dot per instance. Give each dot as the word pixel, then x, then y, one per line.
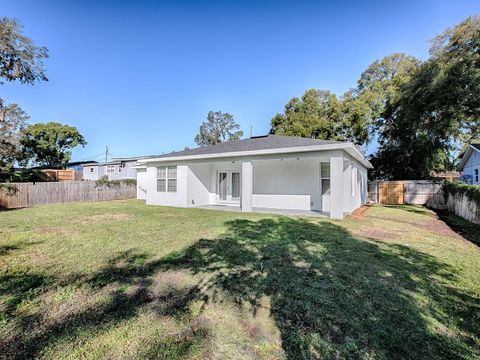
pixel 124 280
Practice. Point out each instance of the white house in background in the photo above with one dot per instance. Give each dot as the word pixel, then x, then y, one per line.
pixel 117 169
pixel 469 164
pixel 262 172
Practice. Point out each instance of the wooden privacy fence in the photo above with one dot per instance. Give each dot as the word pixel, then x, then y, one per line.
pixel 59 175
pixel 32 194
pixel 418 192
pixel 391 192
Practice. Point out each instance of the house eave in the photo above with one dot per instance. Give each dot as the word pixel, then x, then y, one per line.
pixel 348 147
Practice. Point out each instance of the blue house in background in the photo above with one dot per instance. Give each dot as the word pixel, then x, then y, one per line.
pixel 469 165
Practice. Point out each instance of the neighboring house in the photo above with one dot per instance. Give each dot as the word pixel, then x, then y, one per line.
pixel 264 172
pixel 73 165
pixel 469 164
pixel 446 175
pixel 117 169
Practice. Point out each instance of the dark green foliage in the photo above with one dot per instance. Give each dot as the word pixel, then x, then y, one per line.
pixel 103 181
pixel 421 113
pixel 218 128
pixel 20 59
pixel 357 115
pixel 472 192
pixel 50 143
pixel 315 115
pixel 436 110
pixel 9 189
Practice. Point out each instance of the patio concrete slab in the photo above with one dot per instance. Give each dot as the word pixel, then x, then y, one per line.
pixel 236 208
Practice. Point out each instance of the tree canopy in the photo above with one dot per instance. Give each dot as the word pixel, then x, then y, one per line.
pixel 218 128
pixel 20 59
pixel 436 111
pixel 357 114
pixel 12 120
pixel 420 113
pixel 50 143
pixel 316 114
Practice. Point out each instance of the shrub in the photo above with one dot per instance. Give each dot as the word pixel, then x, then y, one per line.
pixel 472 192
pixel 103 181
pixel 9 189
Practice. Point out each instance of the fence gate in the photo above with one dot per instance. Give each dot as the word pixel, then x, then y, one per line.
pixel 391 193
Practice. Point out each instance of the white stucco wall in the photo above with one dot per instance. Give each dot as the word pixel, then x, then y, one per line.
pixel 355 171
pixel 142 182
pixel 178 198
pixel 199 184
pixel 287 184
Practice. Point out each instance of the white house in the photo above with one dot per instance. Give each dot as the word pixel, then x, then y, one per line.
pixel 469 164
pixel 262 172
pixel 117 169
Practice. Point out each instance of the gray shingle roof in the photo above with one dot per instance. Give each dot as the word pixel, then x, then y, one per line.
pixel 476 145
pixel 251 144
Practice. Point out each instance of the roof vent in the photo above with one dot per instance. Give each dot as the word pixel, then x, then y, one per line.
pixel 258 137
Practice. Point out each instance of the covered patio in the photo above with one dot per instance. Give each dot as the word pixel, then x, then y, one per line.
pixel 292 176
pixel 237 208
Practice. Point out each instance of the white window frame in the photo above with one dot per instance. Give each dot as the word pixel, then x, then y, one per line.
pixel 167 174
pixel 110 169
pixel 354 180
pixel 476 175
pixel 172 177
pixel 323 177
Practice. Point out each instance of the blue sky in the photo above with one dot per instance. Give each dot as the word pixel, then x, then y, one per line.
pixel 140 76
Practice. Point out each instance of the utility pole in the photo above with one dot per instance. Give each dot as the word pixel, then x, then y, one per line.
pixel 251 130
pixel 106 153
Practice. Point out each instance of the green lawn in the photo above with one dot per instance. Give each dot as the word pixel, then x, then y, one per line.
pixel 123 280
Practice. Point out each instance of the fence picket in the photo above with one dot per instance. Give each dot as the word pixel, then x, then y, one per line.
pixel 32 194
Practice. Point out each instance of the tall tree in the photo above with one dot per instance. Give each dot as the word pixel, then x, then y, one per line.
pixel 50 143
pixel 315 115
pixel 357 115
pixel 20 59
pixel 218 128
pixel 436 110
pixel 377 89
pixel 12 121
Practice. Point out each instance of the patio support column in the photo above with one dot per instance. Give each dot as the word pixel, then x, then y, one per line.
pixel 336 187
pixel 247 186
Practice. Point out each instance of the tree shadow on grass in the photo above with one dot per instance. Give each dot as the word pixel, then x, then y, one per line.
pixel 129 281
pixel 331 295
pixel 416 209
pixel 334 296
pixel 464 228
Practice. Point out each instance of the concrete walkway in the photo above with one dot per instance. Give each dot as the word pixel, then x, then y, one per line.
pixel 236 208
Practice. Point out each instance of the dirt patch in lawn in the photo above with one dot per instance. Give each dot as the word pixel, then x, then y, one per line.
pixel 438 227
pixel 360 213
pixel 52 230
pixel 376 233
pixel 106 217
pixel 432 224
